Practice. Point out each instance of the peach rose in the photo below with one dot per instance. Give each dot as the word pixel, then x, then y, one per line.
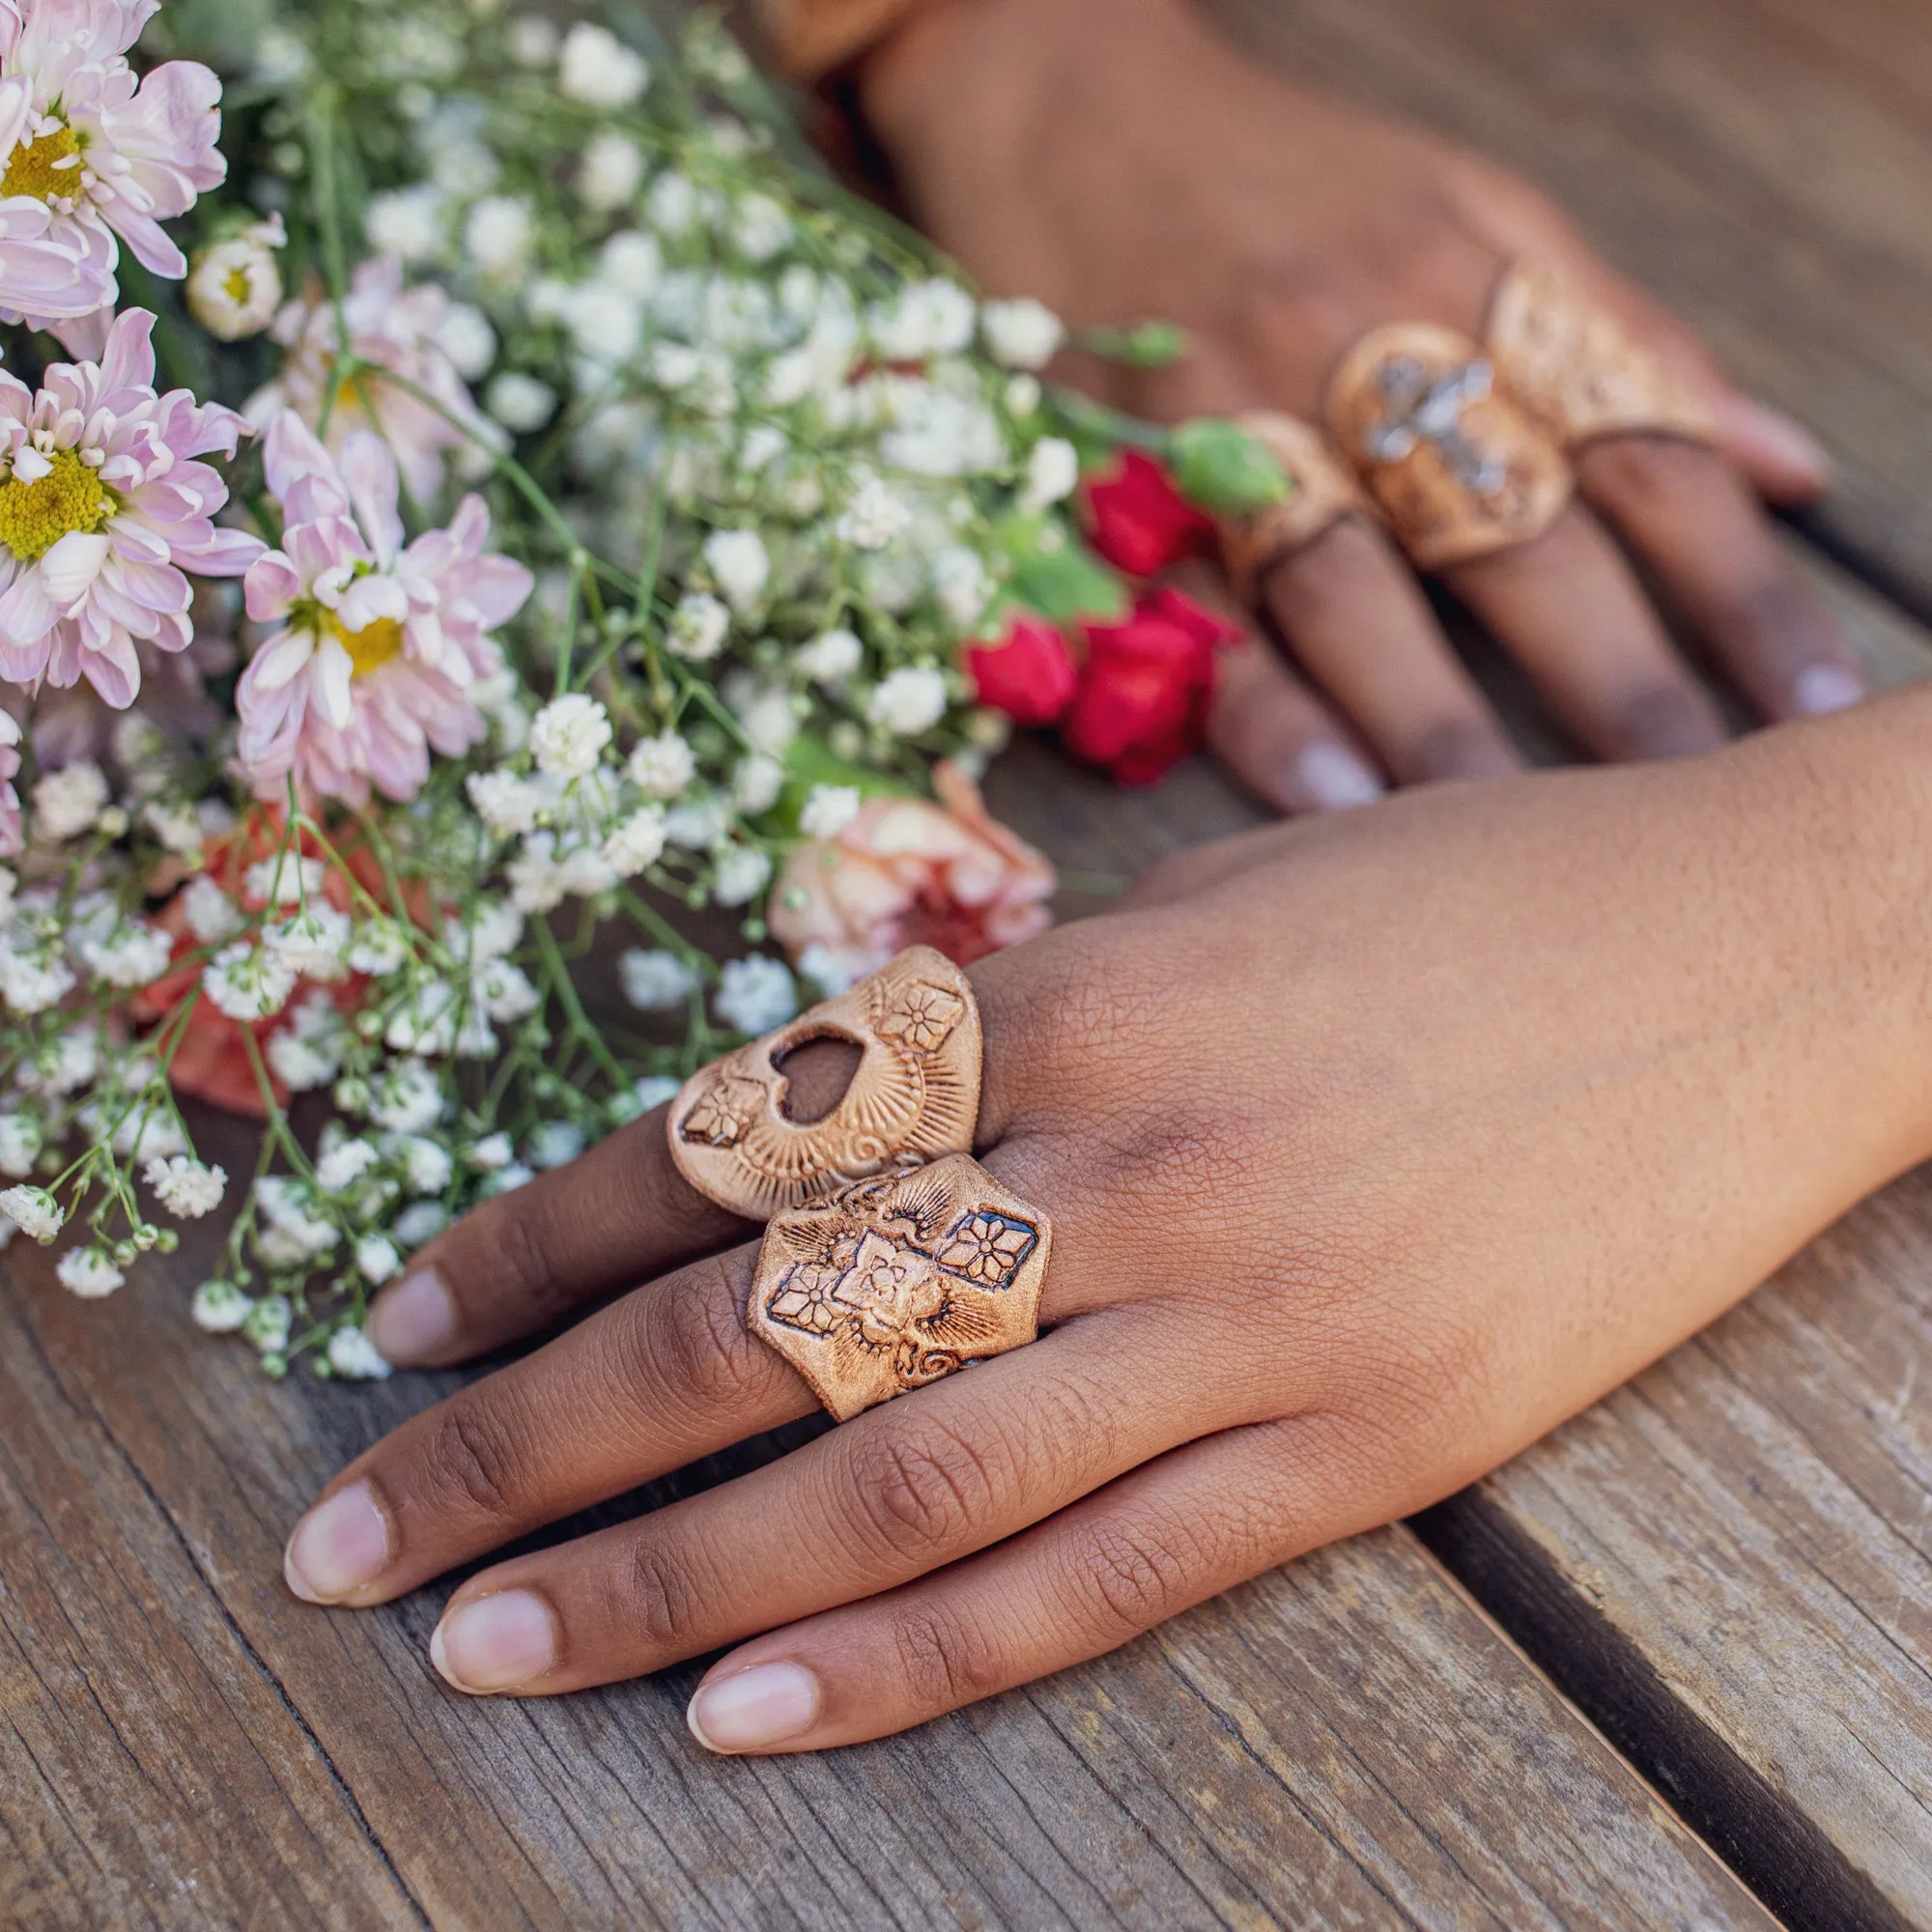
pixel 908 873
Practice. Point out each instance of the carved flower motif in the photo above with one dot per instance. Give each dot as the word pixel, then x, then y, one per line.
pixel 722 1116
pixel 891 1292
pixel 807 1297
pixel 986 1249
pixel 924 1019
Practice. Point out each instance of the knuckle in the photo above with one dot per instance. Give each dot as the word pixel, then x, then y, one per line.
pixel 520 1254
pixel 1674 719
pixel 470 1455
pixel 1132 1576
pixel 943 1662
pixel 1458 747
pixel 923 1492
pixel 1652 470
pixel 658 1602
pixel 690 1342
pixel 1397 1379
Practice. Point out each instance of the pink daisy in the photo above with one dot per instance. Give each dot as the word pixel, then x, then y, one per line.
pixel 93 153
pixel 102 509
pixel 11 840
pixel 381 644
pixel 419 333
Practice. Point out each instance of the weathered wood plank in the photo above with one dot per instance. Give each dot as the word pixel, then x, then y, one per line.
pixel 152 1772
pixel 1728 1564
pixel 1349 1741
pixel 1764 165
pixel 1750 1526
pixel 1770 1691
pixel 1346 1742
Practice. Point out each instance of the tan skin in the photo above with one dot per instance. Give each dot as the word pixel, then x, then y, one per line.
pixel 1118 161
pixel 1375 1145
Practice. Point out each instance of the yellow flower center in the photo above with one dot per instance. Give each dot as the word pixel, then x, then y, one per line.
pixel 371 648
pixel 33 517
pixel 35 169
pixel 236 287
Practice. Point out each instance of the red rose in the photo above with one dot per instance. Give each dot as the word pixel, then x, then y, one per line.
pixel 1029 675
pixel 1143 701
pixel 1141 522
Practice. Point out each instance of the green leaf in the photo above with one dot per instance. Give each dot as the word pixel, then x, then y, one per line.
pixel 810 761
pixel 1147 345
pixel 1055 575
pixel 1222 468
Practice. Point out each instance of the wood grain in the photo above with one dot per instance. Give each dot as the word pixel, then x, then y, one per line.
pixel 1347 1742
pixel 152 1770
pixel 1728 1564
pixel 1765 166
pixel 1727 1561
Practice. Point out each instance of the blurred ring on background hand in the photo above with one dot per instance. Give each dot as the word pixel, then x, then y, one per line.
pixel 1459 471
pixel 1323 491
pixel 914 1097
pixel 899 1281
pixel 1578 370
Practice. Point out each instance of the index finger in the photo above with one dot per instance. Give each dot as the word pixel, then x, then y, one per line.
pixel 615 1216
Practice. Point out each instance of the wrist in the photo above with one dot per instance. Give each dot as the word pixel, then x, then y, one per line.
pixel 1848 877
pixel 939 54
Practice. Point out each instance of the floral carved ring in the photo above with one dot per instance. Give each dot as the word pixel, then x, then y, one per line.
pixel 894 1283
pixel 915 1096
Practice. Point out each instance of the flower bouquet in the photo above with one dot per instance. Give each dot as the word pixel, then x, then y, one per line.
pixel 528 517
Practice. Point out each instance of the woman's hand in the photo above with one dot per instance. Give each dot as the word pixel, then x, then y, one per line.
pixel 1115 159
pixel 1373 1148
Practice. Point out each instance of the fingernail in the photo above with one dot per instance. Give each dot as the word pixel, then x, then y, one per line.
pixel 495 1643
pixel 338 1547
pixel 1788 441
pixel 1336 780
pixel 413 1321
pixel 1824 688
pixel 763 1706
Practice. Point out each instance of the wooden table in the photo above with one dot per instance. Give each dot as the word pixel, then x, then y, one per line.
pixel 1672 1668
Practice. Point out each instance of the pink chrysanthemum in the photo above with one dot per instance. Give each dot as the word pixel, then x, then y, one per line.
pixel 11 840
pixel 102 509
pixel 421 334
pixel 381 644
pixel 91 152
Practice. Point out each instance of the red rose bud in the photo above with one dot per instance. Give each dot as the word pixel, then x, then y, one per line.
pixel 1140 522
pixel 1029 675
pixel 1143 700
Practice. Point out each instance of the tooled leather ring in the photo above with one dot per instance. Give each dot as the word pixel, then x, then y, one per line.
pixel 1576 369
pixel 914 1097
pixel 898 1282
pixel 1322 491
pixel 1459 471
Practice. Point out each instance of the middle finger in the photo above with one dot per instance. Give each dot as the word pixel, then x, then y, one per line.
pixel 669 1374
pixel 895 1495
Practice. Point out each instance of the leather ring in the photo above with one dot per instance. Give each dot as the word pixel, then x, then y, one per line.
pixel 1459 471
pixel 899 1281
pixel 1323 491
pixel 915 1096
pixel 1578 371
